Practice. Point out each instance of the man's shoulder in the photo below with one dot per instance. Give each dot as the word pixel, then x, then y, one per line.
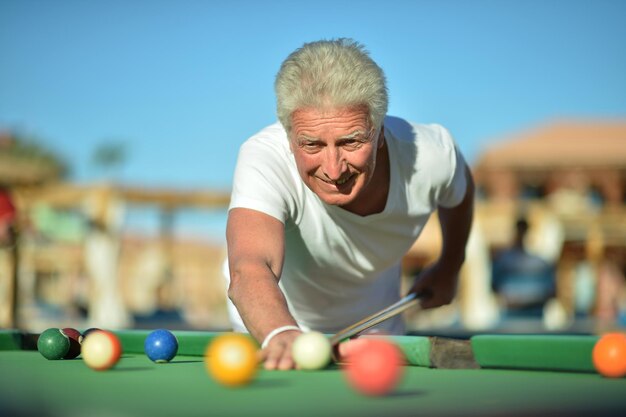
pixel 271 139
pixel 273 131
pixel 407 131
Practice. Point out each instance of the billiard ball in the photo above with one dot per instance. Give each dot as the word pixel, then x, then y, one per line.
pixel 351 346
pixel 89 330
pixel 231 359
pixel 101 350
pixel 609 355
pixel 161 346
pixel 75 340
pixel 53 344
pixel 375 368
pixel 311 351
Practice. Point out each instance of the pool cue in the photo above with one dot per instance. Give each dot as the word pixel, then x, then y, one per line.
pixel 376 318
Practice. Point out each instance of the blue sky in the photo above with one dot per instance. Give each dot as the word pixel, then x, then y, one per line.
pixel 184 83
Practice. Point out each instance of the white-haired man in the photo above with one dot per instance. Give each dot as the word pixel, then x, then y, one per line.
pixel 326 203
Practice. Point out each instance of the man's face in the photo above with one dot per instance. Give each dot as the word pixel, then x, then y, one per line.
pixel 335 151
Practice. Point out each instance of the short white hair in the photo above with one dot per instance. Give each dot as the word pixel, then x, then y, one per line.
pixel 330 74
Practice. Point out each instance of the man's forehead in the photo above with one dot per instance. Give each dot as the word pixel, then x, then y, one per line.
pixel 313 120
pixel 331 111
pixel 354 134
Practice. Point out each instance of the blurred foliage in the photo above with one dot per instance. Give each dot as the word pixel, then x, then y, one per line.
pixel 110 154
pixel 26 159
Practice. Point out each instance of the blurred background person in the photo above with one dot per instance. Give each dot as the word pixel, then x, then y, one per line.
pixel 523 282
pixel 8 259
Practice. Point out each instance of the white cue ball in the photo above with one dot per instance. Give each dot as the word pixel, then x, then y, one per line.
pixel 311 351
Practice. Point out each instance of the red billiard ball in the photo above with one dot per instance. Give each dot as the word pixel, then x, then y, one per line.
pixel 375 367
pixel 609 355
pixel 75 340
pixel 101 350
pixel 345 349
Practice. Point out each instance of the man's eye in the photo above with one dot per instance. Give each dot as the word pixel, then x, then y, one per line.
pixel 352 143
pixel 310 146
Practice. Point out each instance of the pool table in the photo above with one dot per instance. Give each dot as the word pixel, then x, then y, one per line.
pixel 486 375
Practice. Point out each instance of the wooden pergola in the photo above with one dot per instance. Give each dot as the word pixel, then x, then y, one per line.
pixel 99 204
pixel 33 179
pixel 552 162
pixel 578 155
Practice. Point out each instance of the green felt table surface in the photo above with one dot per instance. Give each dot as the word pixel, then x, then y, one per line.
pixel 138 387
pixel 32 385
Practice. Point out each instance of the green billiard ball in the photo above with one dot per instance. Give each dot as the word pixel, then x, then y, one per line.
pixel 53 344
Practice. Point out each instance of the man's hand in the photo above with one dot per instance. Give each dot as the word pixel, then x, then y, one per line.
pixel 438 283
pixel 277 354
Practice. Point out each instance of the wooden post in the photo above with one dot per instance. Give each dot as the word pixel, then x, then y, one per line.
pixel 14 267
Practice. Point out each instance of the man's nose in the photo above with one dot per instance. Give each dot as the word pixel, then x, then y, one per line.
pixel 334 165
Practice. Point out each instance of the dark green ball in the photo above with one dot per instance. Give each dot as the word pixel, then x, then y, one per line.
pixel 53 344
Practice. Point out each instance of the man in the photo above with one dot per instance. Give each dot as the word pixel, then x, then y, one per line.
pixel 7 217
pixel 326 203
pixel 523 281
pixel 8 259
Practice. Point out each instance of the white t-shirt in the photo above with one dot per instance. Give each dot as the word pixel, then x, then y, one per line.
pixel 340 267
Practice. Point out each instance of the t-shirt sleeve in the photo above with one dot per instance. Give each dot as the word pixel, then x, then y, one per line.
pixel 261 181
pixel 454 184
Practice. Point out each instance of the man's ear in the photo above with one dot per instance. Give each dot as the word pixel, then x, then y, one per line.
pixel 381 136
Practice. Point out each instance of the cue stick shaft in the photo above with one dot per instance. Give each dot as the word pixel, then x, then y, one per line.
pixel 376 318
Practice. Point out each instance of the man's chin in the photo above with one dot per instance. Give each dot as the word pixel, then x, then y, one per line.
pixel 339 200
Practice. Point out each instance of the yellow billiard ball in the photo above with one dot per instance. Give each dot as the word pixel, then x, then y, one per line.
pixel 231 359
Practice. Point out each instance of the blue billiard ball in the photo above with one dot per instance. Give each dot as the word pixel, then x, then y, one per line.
pixel 161 346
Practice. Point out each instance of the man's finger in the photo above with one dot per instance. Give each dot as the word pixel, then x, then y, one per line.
pixel 272 358
pixel 278 358
pixel 261 355
pixel 286 363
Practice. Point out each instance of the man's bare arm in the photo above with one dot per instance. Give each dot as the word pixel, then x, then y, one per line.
pixel 255 256
pixel 440 279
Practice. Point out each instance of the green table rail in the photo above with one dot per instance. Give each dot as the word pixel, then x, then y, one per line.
pixel 540 352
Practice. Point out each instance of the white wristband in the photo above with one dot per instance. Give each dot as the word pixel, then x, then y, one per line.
pixel 276 331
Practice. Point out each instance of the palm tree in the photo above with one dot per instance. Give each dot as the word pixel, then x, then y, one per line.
pixel 25 161
pixel 109 156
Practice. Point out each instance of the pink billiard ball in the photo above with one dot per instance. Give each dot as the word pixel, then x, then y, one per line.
pixel 375 367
